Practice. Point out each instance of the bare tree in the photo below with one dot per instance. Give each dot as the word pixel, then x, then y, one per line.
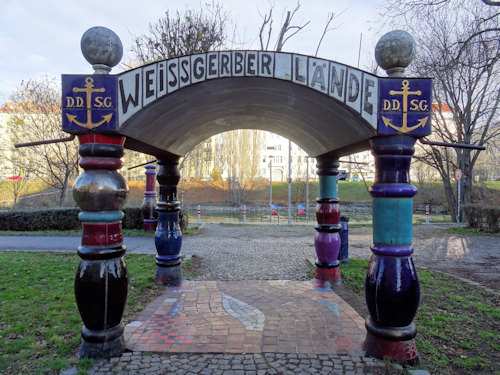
pixel 179 34
pixel 16 186
pixel 241 151
pixel 288 29
pixel 466 82
pixel 36 116
pixel 485 28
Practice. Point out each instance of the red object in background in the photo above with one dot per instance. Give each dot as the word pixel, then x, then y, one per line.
pixel 14 178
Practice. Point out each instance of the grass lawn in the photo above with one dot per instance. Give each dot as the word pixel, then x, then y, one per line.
pixel 39 321
pixel 457 323
pixel 470 232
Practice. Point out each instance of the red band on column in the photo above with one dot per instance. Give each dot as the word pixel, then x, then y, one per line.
pixel 100 163
pixel 102 234
pixel 102 138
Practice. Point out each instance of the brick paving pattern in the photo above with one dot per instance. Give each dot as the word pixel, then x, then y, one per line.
pixel 264 316
pixel 244 327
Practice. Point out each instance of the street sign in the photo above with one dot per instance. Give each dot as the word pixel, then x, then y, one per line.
pixel 458 174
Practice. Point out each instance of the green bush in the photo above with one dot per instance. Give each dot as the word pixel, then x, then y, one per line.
pixel 478 214
pixel 474 215
pixel 133 218
pixel 492 216
pixel 67 219
pixel 56 219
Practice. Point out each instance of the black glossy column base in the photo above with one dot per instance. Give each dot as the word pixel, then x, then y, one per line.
pixel 169 274
pixel 113 348
pixel 102 344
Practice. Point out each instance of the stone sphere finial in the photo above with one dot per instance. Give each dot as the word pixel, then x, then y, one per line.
pixel 395 51
pixel 102 48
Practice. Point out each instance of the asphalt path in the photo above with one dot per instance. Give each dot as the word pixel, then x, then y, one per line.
pixel 137 245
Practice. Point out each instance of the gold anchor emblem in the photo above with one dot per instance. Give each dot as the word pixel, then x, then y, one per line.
pixel 89 89
pixel 405 91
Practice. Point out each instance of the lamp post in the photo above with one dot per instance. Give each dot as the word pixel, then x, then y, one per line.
pixel 307 188
pixel 270 189
pixel 289 182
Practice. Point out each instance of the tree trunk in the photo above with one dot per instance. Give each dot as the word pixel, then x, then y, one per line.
pixel 64 191
pixel 450 198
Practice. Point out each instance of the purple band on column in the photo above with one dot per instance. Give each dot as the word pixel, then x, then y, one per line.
pixel 395 251
pixel 393 191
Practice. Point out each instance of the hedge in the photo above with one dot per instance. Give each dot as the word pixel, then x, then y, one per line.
pixel 67 219
pixel 477 215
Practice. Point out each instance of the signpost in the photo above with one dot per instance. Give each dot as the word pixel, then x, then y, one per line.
pixel 458 177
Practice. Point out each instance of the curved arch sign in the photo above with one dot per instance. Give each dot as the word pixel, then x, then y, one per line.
pixel 390 105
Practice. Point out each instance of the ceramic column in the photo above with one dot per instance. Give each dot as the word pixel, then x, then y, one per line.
pixel 149 213
pixel 327 239
pixel 168 237
pixel 101 280
pixel 391 287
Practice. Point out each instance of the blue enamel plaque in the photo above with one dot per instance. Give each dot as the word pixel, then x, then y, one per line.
pixel 89 102
pixel 405 106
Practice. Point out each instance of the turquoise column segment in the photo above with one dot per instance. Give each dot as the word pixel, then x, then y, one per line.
pixel 328 186
pixel 101 216
pixel 392 221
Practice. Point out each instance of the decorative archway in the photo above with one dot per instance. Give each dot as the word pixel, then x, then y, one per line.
pixel 166 108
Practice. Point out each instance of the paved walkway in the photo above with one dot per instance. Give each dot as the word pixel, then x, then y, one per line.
pixel 245 327
pixel 248 317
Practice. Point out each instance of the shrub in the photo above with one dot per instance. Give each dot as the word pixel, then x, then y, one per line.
pixel 478 214
pixel 474 215
pixel 67 219
pixel 56 219
pixel 133 218
pixel 492 216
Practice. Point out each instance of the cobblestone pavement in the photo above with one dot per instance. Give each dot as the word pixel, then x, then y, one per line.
pixel 239 364
pixel 237 252
pixel 245 327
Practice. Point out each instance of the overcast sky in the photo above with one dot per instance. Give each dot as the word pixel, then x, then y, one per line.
pixel 42 37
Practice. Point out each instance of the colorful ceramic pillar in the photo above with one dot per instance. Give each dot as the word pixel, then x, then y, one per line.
pixel 327 239
pixel 168 237
pixel 149 213
pixel 391 287
pixel 101 282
